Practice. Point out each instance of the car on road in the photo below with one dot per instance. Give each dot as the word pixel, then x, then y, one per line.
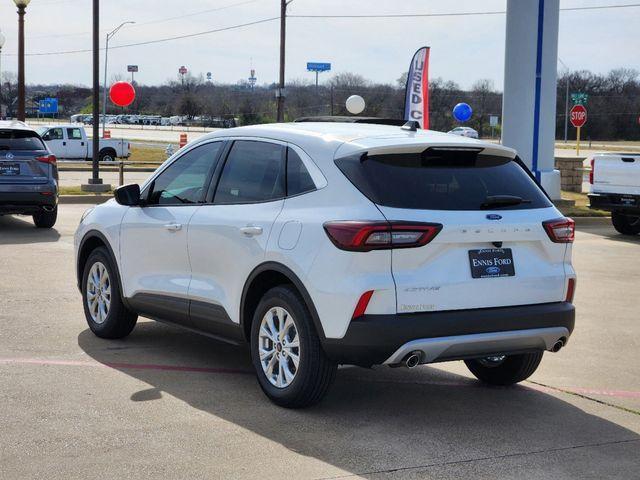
pixel 464 132
pixel 70 142
pixel 321 244
pixel 615 187
pixel 28 175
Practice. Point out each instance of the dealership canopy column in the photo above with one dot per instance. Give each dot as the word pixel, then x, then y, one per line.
pixel 529 104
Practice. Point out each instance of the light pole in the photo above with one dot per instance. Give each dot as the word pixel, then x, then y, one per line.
pixel 566 102
pixel 106 59
pixel 2 39
pixel 22 5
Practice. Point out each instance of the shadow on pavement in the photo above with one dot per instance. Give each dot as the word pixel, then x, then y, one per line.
pixel 372 420
pixel 21 230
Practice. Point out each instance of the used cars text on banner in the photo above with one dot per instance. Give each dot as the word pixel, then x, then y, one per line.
pixel 417 95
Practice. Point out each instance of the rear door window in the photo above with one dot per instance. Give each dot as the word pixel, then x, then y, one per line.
pixel 440 179
pixel 74 133
pixel 254 172
pixel 20 140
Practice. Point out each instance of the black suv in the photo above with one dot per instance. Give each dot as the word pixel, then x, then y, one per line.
pixel 28 175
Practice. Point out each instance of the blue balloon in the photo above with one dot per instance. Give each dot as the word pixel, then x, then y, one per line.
pixel 462 112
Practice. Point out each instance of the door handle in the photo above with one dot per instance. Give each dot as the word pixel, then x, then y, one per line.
pixel 251 231
pixel 173 227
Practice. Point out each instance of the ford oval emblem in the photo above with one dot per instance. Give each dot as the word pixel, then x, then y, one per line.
pixel 493 270
pixel 9 156
pixel 494 216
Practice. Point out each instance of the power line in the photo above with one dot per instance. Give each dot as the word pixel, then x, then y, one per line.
pixel 457 14
pixel 265 20
pixel 159 40
pixel 150 22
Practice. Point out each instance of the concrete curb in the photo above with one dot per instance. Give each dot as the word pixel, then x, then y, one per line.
pixel 592 221
pixel 80 199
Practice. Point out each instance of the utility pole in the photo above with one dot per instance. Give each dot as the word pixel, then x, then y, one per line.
pixel 283 28
pixel 94 184
pixel 22 5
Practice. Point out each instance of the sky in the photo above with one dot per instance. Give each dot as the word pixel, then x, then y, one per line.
pixel 463 48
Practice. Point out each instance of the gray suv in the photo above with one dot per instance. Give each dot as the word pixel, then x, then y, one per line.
pixel 28 175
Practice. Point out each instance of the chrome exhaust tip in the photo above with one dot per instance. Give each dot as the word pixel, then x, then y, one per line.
pixel 558 345
pixel 413 359
pixel 48 208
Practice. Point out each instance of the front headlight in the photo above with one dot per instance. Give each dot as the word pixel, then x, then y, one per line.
pixel 86 212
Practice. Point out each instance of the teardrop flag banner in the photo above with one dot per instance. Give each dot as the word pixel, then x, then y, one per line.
pixel 416 105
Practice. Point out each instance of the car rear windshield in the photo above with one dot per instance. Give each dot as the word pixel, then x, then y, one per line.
pixel 443 179
pixel 20 140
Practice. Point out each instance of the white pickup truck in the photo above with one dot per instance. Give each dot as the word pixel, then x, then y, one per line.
pixel 69 142
pixel 615 187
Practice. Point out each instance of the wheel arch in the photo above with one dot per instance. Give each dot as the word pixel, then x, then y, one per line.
pixel 264 277
pixel 109 150
pixel 94 239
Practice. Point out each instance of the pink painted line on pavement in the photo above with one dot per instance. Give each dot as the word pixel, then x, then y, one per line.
pixel 235 371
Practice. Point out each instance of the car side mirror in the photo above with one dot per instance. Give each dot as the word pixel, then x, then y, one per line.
pixel 128 195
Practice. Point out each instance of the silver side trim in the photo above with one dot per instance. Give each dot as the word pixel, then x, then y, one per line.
pixel 480 343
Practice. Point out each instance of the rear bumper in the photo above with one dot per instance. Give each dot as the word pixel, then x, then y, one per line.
pixel 26 202
pixel 450 335
pixel 615 202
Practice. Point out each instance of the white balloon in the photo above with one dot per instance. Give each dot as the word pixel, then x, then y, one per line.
pixel 355 104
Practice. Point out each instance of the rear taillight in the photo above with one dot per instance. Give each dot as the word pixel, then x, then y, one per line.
pixel 357 236
pixel 571 290
pixel 51 159
pixel 560 230
pixel 591 171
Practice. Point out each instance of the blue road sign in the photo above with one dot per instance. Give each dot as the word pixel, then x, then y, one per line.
pixel 318 67
pixel 48 105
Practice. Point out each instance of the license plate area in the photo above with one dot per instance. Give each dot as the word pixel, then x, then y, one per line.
pixel 9 169
pixel 491 263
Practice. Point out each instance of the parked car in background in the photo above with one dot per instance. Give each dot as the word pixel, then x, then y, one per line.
pixel 337 243
pixel 70 142
pixel 28 175
pixel 615 187
pixel 464 132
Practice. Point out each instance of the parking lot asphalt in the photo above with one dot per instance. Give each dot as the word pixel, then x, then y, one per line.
pixel 165 403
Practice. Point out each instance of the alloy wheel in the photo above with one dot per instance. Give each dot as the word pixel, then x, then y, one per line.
pixel 279 347
pixel 98 292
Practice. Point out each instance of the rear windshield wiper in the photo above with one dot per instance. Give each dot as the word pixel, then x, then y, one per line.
pixel 498 201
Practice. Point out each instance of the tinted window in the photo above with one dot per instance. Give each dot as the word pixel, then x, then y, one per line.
pixel 254 172
pixel 183 182
pixel 74 134
pixel 298 178
pixel 441 180
pixel 53 134
pixel 20 140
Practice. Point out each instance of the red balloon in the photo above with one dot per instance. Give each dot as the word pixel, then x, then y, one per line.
pixel 122 93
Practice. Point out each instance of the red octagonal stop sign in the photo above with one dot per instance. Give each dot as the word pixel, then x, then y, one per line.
pixel 578 116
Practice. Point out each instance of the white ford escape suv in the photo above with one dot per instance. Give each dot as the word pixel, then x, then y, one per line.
pixel 333 243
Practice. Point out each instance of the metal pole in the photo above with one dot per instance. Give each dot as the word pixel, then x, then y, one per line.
pixel 283 27
pixel 104 88
pixel 21 88
pixel 95 178
pixel 566 110
pixel 0 80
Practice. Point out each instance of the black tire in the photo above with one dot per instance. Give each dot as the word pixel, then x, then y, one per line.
pixel 119 321
pixel 625 224
pixel 315 372
pixel 513 369
pixel 107 156
pixel 44 219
